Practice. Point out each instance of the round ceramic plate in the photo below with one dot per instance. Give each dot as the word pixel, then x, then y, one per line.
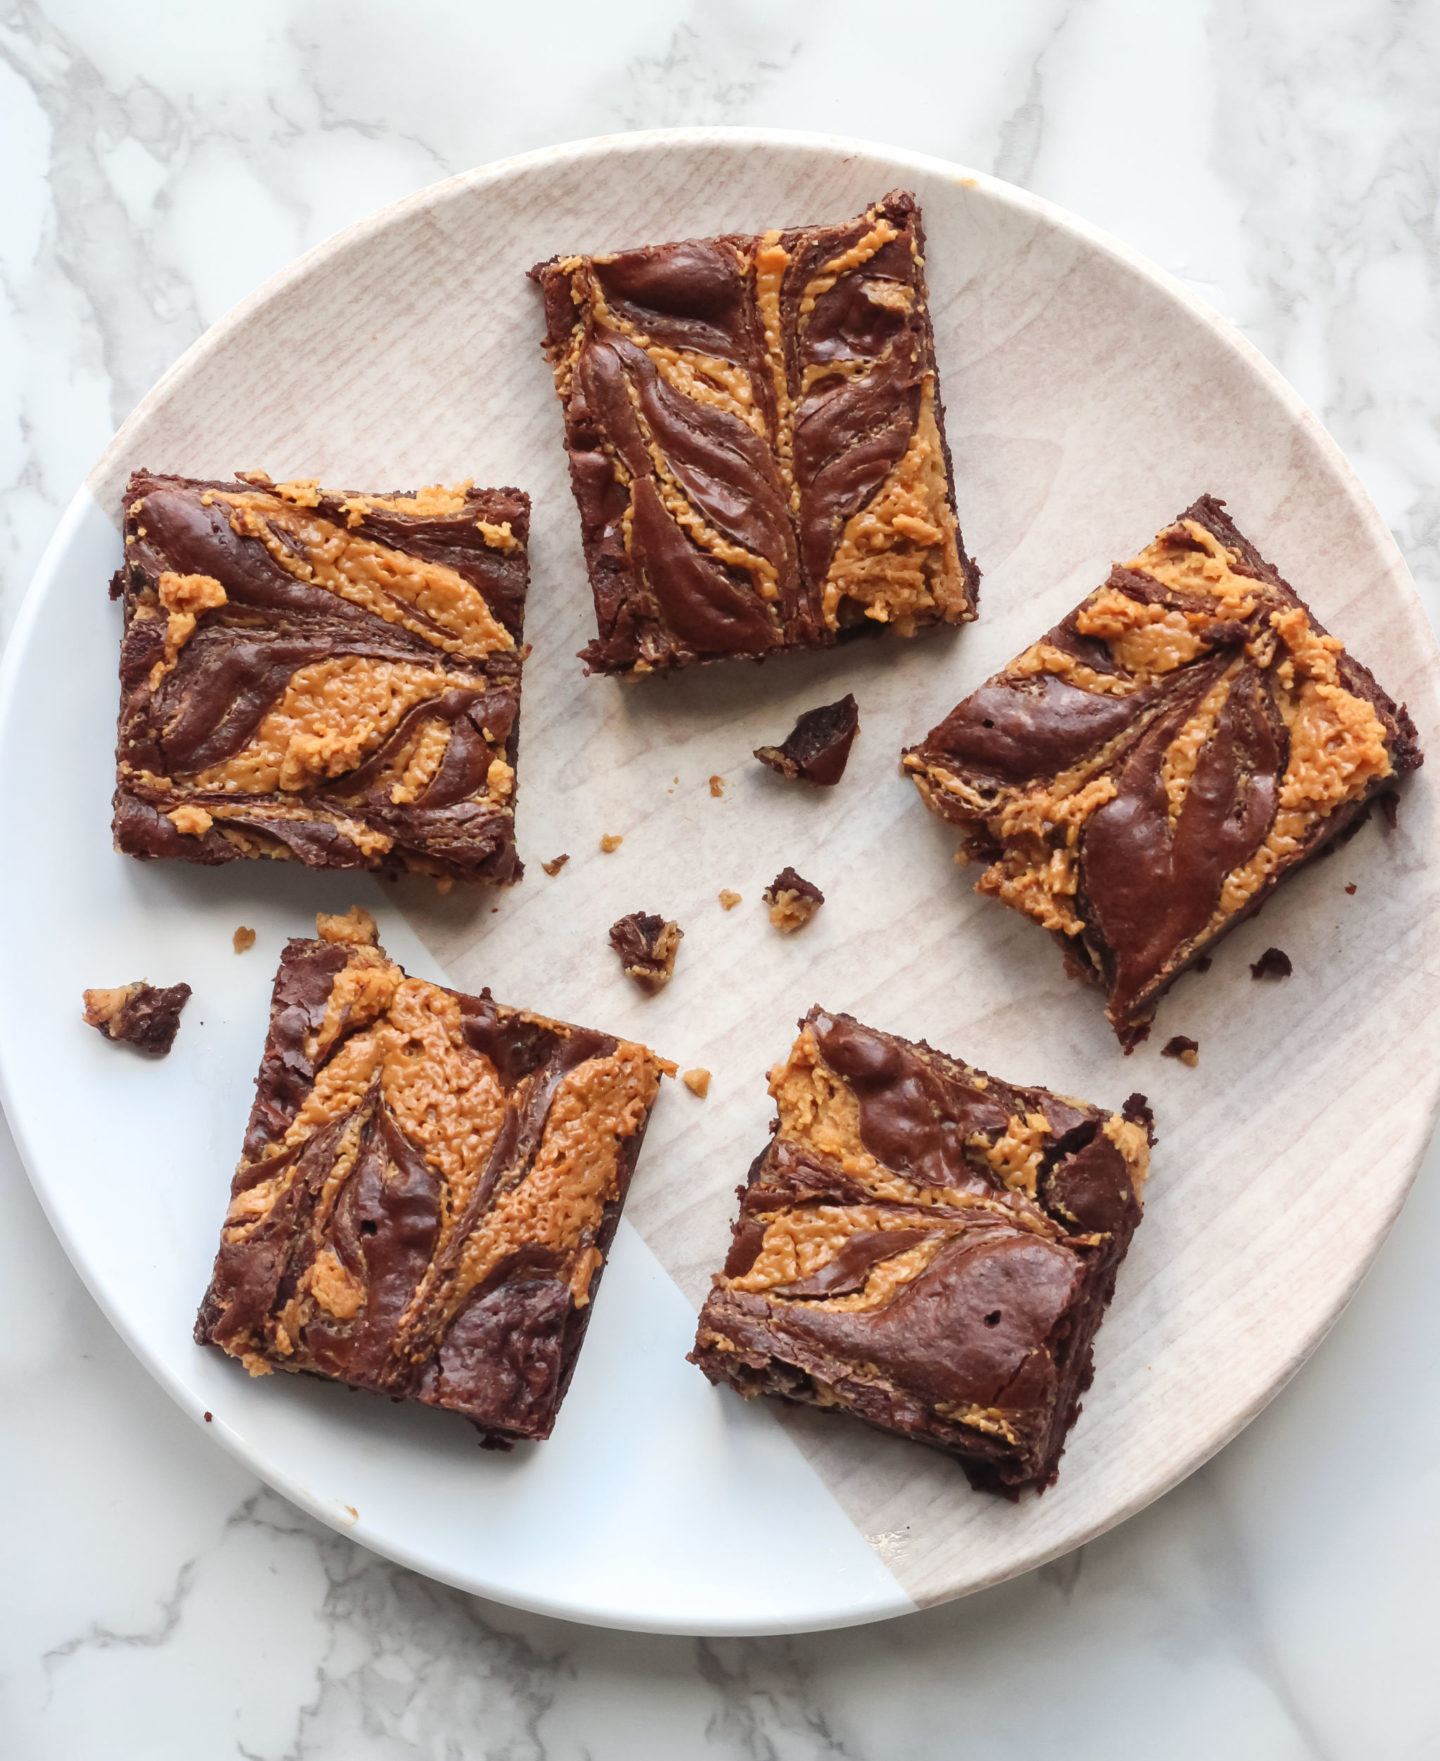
pixel 1090 398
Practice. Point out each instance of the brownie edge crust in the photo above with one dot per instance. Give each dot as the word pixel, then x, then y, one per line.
pixel 928 1249
pixel 1144 776
pixel 756 441
pixel 428 1188
pixel 332 678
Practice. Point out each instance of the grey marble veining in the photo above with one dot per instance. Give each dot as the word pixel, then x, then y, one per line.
pixel 160 160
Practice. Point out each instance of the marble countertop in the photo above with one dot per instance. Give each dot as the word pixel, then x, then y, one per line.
pixel 160 160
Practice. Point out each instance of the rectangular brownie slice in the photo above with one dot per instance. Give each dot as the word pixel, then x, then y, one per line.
pixel 756 440
pixel 329 677
pixel 429 1186
pixel 1143 777
pixel 928 1248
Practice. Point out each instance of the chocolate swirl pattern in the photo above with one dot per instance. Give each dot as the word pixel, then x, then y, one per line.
pixel 429 1186
pixel 756 444
pixel 1141 778
pixel 927 1248
pixel 326 677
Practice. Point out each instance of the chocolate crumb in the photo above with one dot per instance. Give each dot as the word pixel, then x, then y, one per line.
pixel 647 945
pixel 1390 809
pixel 141 1015
pixel 697 1081
pixel 792 901
pixel 243 939
pixel 555 864
pixel 1137 1111
pixel 1273 963
pixel 818 746
pixel 1351 887
pixel 717 786
pixel 209 1418
pixel 1186 1050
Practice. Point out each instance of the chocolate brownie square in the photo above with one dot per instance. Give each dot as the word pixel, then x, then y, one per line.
pixel 1143 777
pixel 756 440
pixel 329 677
pixel 428 1189
pixel 927 1248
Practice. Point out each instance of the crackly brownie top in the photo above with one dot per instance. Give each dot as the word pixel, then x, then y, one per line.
pixel 1137 775
pixel 924 1220
pixel 293 655
pixel 754 438
pixel 412 1150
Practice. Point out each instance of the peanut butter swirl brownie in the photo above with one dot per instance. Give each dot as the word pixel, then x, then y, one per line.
pixel 333 678
pixel 756 440
pixel 1142 778
pixel 927 1248
pixel 429 1187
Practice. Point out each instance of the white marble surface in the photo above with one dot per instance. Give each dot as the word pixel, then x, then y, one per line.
pixel 159 159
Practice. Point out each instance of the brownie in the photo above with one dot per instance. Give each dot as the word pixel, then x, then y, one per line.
pixel 818 746
pixel 647 945
pixel 756 441
pixel 791 901
pixel 333 678
pixel 142 1015
pixel 428 1188
pixel 927 1248
pixel 1143 777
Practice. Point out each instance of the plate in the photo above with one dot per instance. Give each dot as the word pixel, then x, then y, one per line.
pixel 1089 399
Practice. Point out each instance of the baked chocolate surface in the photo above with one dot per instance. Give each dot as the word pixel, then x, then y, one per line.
pixel 1143 777
pixel 142 1015
pixel 817 748
pixel 333 678
pixel 756 440
pixel 647 945
pixel 928 1248
pixel 428 1188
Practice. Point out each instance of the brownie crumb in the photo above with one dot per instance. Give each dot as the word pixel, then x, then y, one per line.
pixel 818 746
pixel 1273 963
pixel 1390 809
pixel 792 901
pixel 555 865
pixel 717 786
pixel 1186 1050
pixel 1137 1112
pixel 243 939
pixel 647 946
pixel 611 841
pixel 698 1082
pixel 1204 963
pixel 141 1015
pixel 728 899
pixel 1351 887
pixel 209 1418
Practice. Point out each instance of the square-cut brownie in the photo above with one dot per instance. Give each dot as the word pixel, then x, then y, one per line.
pixel 429 1186
pixel 928 1248
pixel 1144 776
pixel 756 440
pixel 333 678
